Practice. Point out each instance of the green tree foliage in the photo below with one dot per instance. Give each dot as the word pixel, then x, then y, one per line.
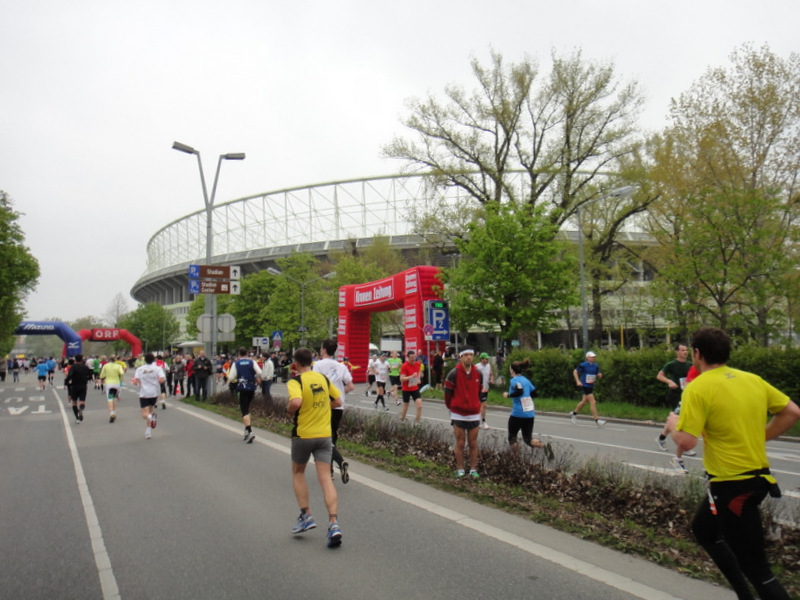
pixel 549 141
pixel 511 273
pixel 727 171
pixel 153 325
pixel 19 272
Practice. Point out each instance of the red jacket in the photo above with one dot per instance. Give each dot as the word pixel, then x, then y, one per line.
pixel 462 391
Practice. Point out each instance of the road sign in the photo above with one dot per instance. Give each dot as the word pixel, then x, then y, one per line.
pixel 213 272
pixel 213 286
pixel 261 342
pixel 226 323
pixel 437 315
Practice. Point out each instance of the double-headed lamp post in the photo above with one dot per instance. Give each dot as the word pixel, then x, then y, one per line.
pixel 302 284
pixel 627 190
pixel 211 299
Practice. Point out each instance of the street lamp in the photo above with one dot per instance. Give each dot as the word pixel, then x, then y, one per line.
pixel 211 299
pixel 617 193
pixel 302 329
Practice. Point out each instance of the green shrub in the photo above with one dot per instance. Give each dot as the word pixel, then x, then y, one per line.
pixel 630 376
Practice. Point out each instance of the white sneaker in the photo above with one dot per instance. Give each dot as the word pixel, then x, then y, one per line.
pixel 600 422
pixel 148 433
pixel 677 464
pixel 662 444
pixel 485 425
pixel 574 418
pixel 690 453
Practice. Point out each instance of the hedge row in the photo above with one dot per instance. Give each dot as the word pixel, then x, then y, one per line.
pixel 630 376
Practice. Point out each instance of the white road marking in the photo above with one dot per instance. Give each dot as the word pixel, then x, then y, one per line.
pixel 614 580
pixel 108 581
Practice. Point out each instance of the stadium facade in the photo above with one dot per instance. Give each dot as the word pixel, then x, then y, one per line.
pixel 320 219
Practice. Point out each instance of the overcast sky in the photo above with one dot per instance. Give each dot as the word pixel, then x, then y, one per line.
pixel 94 92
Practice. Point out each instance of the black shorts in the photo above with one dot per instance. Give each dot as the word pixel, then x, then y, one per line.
pixel 381 385
pixel 395 379
pixel 77 393
pixel 245 398
pixel 41 377
pixel 523 424
pixel 587 390
pixel 145 402
pixel 409 396
pixel 370 379
pixel 465 425
pixel 482 396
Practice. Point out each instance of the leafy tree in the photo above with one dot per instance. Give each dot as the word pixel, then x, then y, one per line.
pixel 154 325
pixel 511 273
pixel 297 296
pixel 19 272
pixel 727 171
pixel 546 141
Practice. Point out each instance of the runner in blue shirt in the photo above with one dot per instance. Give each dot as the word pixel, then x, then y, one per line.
pixel 586 374
pixel 42 369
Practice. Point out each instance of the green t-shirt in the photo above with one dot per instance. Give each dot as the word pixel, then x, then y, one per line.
pixel 394 366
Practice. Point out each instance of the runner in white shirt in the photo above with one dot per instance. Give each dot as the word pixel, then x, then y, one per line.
pixel 370 373
pixel 149 378
pixel 381 377
pixel 339 375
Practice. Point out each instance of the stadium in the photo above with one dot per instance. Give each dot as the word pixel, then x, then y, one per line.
pixel 320 219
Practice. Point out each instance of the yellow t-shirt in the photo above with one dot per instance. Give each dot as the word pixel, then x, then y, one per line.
pixel 729 409
pixel 112 373
pixel 313 419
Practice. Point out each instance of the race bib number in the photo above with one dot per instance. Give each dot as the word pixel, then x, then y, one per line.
pixel 413 381
pixel 527 404
pixel 590 379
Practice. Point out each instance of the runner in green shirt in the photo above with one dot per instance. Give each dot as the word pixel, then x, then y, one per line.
pixel 395 362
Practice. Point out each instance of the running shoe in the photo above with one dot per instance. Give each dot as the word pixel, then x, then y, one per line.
pixel 548 451
pixel 153 420
pixel 662 444
pixel 397 402
pixel 459 473
pixel 304 523
pixel 334 535
pixel 574 418
pixel 345 475
pixel 163 405
pixel 690 453
pixel 80 416
pixel 250 438
pixel 600 422
pixel 366 393
pixel 677 464
pixel 386 410
pixel 246 435
pixel 485 425
pixel 148 433
pixel 474 474
pixel 112 417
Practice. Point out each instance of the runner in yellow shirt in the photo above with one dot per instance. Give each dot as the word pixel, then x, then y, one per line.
pixel 111 375
pixel 311 398
pixel 729 409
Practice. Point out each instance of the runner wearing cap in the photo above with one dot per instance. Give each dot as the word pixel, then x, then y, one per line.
pixel 487 378
pixel 586 374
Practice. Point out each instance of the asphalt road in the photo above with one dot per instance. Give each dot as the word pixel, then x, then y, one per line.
pixel 96 511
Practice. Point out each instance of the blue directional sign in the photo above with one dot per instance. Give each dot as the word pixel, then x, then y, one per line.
pixel 438 316
pixel 194 273
pixel 194 286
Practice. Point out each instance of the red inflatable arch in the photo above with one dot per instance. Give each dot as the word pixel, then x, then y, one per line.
pixel 406 290
pixel 112 335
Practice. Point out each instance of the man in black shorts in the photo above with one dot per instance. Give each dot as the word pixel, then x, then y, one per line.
pixel 462 389
pixel 245 374
pixel 77 380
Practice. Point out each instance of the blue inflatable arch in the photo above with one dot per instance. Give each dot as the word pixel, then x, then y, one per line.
pixel 72 341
